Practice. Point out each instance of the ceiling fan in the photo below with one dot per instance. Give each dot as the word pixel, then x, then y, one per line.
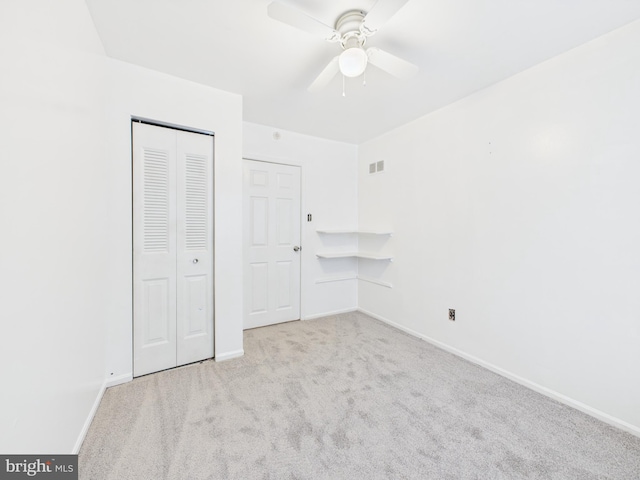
pixel 351 31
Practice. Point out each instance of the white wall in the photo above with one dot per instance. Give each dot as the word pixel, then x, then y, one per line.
pixel 65 213
pixel 329 193
pixel 54 296
pixel 519 207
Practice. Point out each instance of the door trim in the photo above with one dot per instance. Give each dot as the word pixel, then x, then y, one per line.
pixel 174 126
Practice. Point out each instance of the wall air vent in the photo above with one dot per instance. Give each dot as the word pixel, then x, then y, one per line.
pixel 376 167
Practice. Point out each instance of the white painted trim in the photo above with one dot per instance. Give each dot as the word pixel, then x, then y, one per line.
pixel 120 379
pixel 354 277
pixel 221 357
pixel 336 279
pixel 604 417
pixel 87 422
pixel 354 231
pixel 375 280
pixel 271 159
pixel 367 255
pixel 328 314
pixel 175 126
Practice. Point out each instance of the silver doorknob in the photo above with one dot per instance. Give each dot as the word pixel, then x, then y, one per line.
pixel 296 249
pixel 195 260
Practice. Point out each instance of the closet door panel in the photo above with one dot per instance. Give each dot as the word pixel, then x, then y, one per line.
pixel 154 247
pixel 195 247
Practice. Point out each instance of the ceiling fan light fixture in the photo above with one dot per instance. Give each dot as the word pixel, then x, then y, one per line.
pixel 353 62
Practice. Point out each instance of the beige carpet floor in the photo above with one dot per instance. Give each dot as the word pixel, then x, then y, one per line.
pixel 344 397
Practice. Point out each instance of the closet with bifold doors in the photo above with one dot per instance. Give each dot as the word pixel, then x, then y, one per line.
pixel 172 247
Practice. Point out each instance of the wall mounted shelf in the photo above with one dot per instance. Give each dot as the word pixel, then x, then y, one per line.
pixel 357 254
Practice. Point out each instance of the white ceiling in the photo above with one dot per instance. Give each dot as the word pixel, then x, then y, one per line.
pixel 461 46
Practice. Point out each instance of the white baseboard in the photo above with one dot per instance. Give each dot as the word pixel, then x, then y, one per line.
pixel 221 357
pixel 124 378
pixel 328 314
pixel 604 417
pixel 87 422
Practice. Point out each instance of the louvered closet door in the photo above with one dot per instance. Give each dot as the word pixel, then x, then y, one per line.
pixel 154 249
pixel 172 244
pixel 195 255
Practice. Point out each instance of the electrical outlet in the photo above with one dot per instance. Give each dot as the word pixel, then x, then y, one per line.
pixel 452 314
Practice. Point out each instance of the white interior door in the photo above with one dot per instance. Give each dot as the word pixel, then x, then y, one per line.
pixel 271 243
pixel 173 247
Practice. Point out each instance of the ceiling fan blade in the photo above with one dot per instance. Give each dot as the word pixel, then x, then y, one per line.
pixel 301 20
pixel 326 75
pixel 390 63
pixel 382 11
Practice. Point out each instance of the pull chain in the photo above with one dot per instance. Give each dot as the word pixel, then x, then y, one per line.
pixel 364 78
pixel 343 92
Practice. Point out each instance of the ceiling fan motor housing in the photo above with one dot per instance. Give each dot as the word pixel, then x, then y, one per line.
pixel 350 27
pixel 350 21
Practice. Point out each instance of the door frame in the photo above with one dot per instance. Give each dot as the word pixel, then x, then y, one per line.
pixel 289 163
pixel 183 128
